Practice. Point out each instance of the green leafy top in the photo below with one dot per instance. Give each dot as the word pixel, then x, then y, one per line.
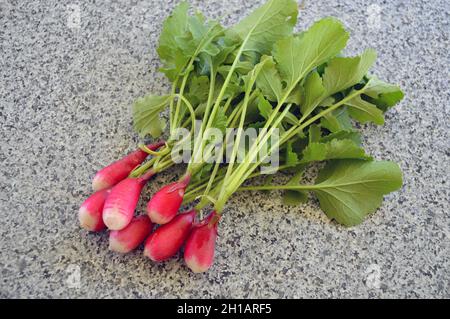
pixel 342 73
pixel 297 55
pixel 349 190
pixel 183 37
pixel 260 74
pixel 146 112
pixel 267 24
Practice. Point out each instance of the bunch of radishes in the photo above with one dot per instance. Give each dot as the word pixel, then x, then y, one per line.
pixel 260 75
pixel 113 205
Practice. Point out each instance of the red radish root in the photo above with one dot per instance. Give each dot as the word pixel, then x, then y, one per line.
pixel 200 245
pixel 167 240
pixel 121 202
pixel 90 213
pixel 129 238
pixel 164 205
pixel 119 170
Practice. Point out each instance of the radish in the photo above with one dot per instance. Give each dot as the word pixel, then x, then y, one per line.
pixel 117 171
pixel 200 245
pixel 165 204
pixel 168 239
pixel 127 239
pixel 90 213
pixel 121 202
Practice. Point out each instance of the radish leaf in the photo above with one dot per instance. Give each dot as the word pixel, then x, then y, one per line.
pixel 267 24
pixel 342 73
pixel 364 111
pixel 382 94
pixel 314 93
pixel 183 37
pixel 295 197
pixel 291 156
pixel 334 149
pixel 337 120
pixel 349 190
pixel 146 117
pixel 269 81
pixel 298 55
pixel 341 135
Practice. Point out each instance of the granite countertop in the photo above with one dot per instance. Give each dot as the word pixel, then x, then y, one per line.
pixel 66 89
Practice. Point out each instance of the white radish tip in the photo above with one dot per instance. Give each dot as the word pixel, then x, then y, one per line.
pixel 114 220
pixel 98 184
pixel 195 266
pixel 156 218
pixel 148 254
pixel 86 220
pixel 117 246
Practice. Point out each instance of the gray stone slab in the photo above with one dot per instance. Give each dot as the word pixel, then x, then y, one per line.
pixel 65 97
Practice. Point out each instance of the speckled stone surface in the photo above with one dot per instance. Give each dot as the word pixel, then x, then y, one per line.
pixel 65 97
